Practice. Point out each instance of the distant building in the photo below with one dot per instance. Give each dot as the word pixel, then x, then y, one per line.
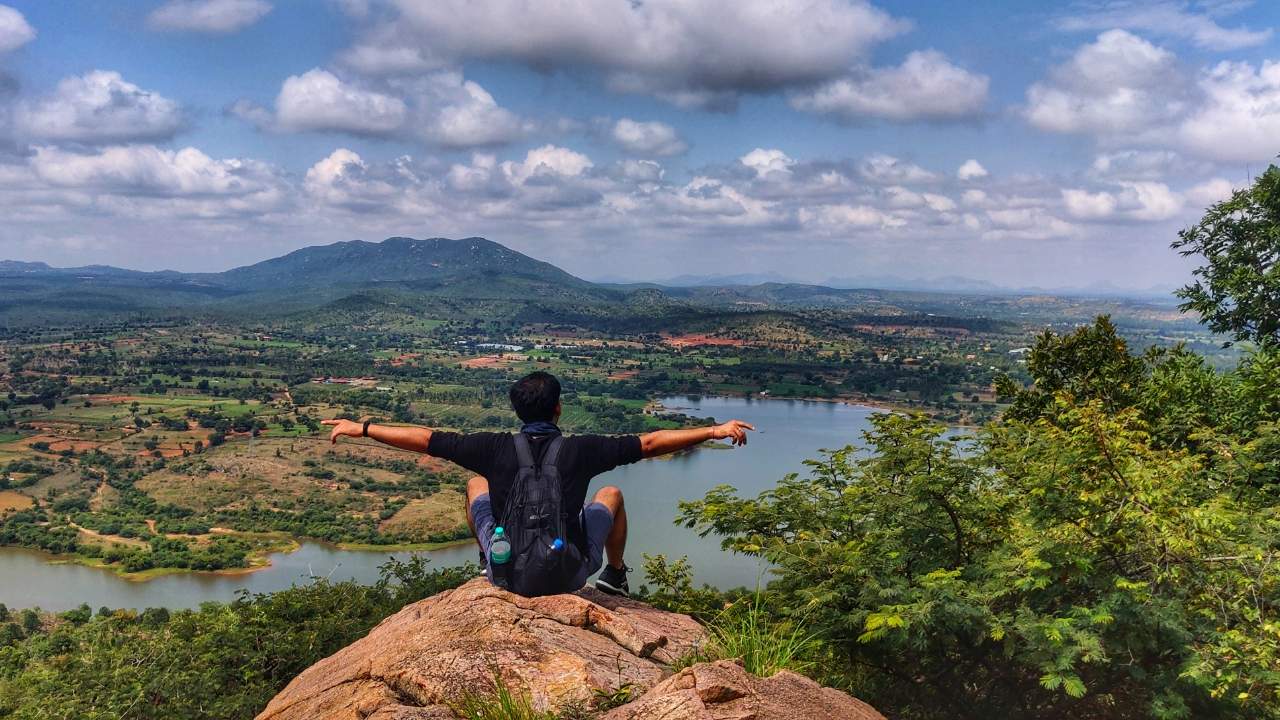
pixel 1020 351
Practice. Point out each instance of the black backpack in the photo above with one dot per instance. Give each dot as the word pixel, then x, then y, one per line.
pixel 533 519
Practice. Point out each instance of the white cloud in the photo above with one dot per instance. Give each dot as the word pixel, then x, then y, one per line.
pixel 342 180
pixel 440 108
pixel 1239 118
pixel 318 100
pixel 1089 206
pixel 208 16
pixel 689 51
pixel 1137 201
pixel 1210 191
pixel 99 107
pixel 647 138
pixel 1123 90
pixel 1027 223
pixel 14 29
pixel 454 112
pixel 768 164
pixel 384 50
pixel 882 168
pixel 1118 84
pixel 645 171
pixel 148 170
pixel 926 86
pixel 834 217
pixel 971 170
pixel 548 160
pixel 1169 18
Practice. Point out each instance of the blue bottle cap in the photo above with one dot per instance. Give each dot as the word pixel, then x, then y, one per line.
pixel 558 544
pixel 498 530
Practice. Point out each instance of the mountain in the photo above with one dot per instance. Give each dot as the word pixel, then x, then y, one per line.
pixel 357 275
pixel 394 260
pixel 472 277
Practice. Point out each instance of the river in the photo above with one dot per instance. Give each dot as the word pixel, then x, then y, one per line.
pixel 790 431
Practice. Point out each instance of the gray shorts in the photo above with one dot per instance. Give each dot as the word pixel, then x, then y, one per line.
pixel 594 517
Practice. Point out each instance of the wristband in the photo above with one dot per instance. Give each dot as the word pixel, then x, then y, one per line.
pixel 365 432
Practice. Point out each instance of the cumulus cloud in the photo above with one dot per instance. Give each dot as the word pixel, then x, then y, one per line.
pixel 318 100
pixel 687 52
pixel 926 86
pixel 1168 18
pixel 882 168
pixel 1239 118
pixel 454 112
pixel 1210 191
pixel 768 164
pixel 146 169
pixel 971 170
pixel 1123 89
pixel 1118 84
pixel 1140 201
pixel 548 160
pixel 440 108
pixel 99 107
pixel 848 216
pixel 14 29
pixel 647 138
pixel 208 16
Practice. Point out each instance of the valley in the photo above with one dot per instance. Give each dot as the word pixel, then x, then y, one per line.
pixel 149 437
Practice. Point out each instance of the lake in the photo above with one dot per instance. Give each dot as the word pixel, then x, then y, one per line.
pixel 790 431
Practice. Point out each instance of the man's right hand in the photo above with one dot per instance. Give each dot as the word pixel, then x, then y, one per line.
pixel 734 429
pixel 350 428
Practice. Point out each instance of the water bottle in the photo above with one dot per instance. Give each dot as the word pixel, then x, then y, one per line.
pixel 500 558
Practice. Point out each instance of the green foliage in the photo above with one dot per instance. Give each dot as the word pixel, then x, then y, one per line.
pixel 1237 290
pixel 748 631
pixel 221 661
pixel 1092 363
pixel 1106 551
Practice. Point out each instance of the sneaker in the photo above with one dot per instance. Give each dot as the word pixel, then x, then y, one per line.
pixel 613 581
pixel 484 566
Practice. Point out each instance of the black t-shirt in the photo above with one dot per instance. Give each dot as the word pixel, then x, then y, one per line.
pixel 493 456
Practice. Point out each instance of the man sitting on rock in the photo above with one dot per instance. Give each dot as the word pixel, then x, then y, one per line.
pixel 601 525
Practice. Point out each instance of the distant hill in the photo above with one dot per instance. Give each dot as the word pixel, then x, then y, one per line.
pixel 394 260
pixel 470 277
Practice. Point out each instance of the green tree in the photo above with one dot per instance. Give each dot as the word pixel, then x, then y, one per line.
pixel 1237 289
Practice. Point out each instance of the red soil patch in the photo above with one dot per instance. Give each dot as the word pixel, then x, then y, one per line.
pixel 486 361
pixel 624 374
pixel 695 339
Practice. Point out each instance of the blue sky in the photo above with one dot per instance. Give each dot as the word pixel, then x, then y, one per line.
pixel 1046 144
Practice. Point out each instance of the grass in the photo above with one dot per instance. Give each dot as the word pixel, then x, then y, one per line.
pixel 499 703
pixel 745 631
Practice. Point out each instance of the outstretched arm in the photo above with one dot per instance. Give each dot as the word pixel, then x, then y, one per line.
pixel 661 442
pixel 406 438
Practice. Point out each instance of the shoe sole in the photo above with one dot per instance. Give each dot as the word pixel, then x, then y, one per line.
pixel 608 589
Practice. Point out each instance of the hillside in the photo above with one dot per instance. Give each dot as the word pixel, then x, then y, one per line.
pixel 394 260
pixel 471 277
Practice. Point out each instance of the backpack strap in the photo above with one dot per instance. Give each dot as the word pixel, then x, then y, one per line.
pixel 552 455
pixel 524 455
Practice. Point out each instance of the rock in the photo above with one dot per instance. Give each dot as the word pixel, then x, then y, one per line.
pixel 723 690
pixel 559 650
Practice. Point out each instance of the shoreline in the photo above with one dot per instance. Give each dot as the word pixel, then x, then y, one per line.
pixel 260 560
pixel 879 405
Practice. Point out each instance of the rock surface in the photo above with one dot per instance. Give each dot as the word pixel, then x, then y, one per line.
pixel 722 690
pixel 559 650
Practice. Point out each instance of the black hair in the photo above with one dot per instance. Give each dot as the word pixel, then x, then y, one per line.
pixel 534 397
